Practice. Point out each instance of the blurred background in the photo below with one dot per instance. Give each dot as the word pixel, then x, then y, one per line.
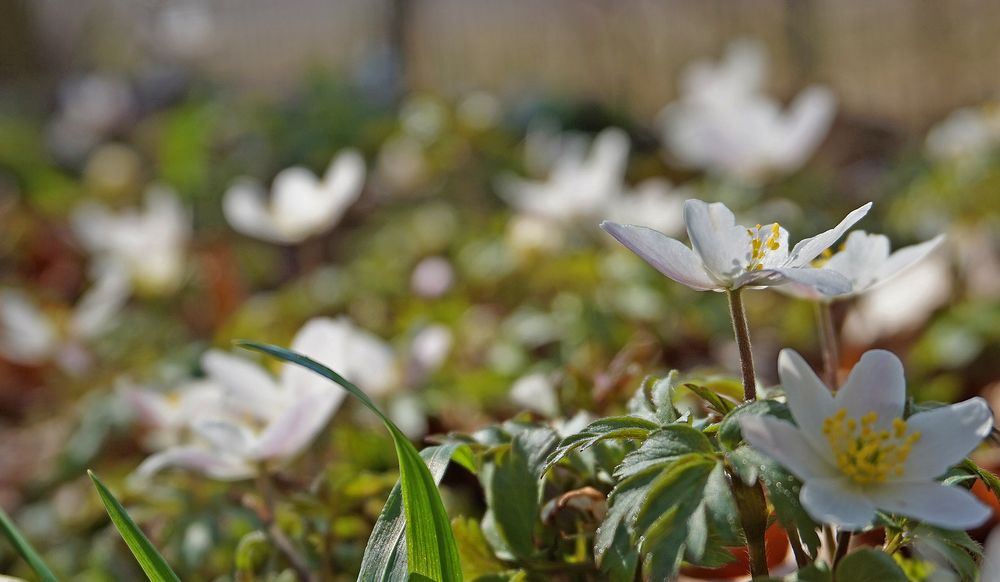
pixel 148 215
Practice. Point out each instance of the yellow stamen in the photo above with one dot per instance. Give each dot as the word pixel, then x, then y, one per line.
pixel 867 455
pixel 761 244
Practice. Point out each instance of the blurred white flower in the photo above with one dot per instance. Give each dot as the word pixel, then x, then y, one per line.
pixel 432 277
pixel 866 262
pixel 537 393
pixel 28 335
pixel 856 454
pixel 727 256
pixel 545 144
pixel 184 29
pixel 167 415
pixel 902 304
pixel 423 117
pixel 430 347
pixel 654 203
pixel 528 235
pixel 90 108
pixel 966 134
pixel 479 110
pixel 270 421
pixel 149 244
pixel 301 205
pixel 723 123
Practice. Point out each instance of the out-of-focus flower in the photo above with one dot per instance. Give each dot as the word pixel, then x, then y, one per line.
pixel 725 124
pixel 545 144
pixel 90 108
pixel 866 262
pixel 856 454
pixel 270 421
pixel 430 347
pixel 479 110
pixel 167 415
pixel 149 244
pixel 301 204
pixel 432 277
pixel 423 117
pixel 184 29
pixel 726 256
pixel 529 235
pixel 537 393
pixel 655 203
pixel 902 304
pixel 401 164
pixel 966 134
pixel 30 336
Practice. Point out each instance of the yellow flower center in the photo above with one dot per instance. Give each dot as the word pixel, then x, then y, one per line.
pixel 867 455
pixel 761 244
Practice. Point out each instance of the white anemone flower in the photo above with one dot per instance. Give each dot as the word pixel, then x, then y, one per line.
pixel 966 134
pixel 30 336
pixel 167 415
pixel 726 256
pixel 725 124
pixel 866 262
pixel 536 392
pixel 855 453
pixel 149 244
pixel 301 205
pixel 267 420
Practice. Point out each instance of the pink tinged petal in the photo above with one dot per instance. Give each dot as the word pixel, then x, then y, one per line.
pixel 832 501
pixel 808 249
pixel 906 257
pixel 808 398
pixel 785 443
pixel 297 426
pixel 211 463
pixel 877 383
pixel 668 256
pixel 724 247
pixel 932 503
pixel 947 435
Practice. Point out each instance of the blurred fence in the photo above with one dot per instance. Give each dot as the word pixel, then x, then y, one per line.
pixel 908 62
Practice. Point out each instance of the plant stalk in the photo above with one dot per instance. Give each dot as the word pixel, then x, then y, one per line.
pixel 278 537
pixel 753 517
pixel 742 331
pixel 802 559
pixel 843 543
pixel 828 343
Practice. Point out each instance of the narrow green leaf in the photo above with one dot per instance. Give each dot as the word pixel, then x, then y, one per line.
pixel 151 562
pixel 615 427
pixel 24 548
pixel 869 565
pixel 721 405
pixel 430 544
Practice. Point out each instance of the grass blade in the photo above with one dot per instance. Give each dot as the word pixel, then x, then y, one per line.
pixel 24 549
pixel 431 551
pixel 152 563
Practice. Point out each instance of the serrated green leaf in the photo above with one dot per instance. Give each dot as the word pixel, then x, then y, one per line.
pixel 613 548
pixel 680 487
pixel 730 435
pixel 869 565
pixel 430 545
pixel 150 560
pixel 663 446
pixel 956 547
pixel 719 404
pixel 24 548
pixel 991 481
pixel 385 555
pixel 654 400
pixel 615 427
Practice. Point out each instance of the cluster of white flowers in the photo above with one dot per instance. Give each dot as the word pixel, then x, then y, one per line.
pixel 239 418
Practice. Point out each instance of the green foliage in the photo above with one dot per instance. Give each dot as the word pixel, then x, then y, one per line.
pixel 869 565
pixel 24 548
pixel 152 563
pixel 615 427
pixel 430 545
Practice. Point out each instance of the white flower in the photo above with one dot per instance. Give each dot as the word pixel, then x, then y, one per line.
pixel 965 134
pixel 167 415
pixel 536 392
pixel 148 244
pixel 727 256
pixel 856 454
pixel 269 421
pixel 724 124
pixel 29 336
pixel 654 203
pixel 301 204
pixel 432 277
pixel 90 108
pixel 866 262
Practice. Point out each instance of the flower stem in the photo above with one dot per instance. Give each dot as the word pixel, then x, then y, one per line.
pixel 278 537
pixel 802 559
pixel 828 343
pixel 893 543
pixel 843 543
pixel 753 517
pixel 742 332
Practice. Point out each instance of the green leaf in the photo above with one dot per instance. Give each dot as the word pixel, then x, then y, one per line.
pixel 430 545
pixel 654 400
pixel 478 559
pixel 956 547
pixel 614 551
pixel 24 548
pixel 664 445
pixel 152 563
pixel 869 565
pixel 818 572
pixel 615 427
pixel 717 403
pixel 730 435
pixel 385 556
pixel 991 481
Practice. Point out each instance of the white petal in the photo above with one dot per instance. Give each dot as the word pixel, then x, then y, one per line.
pixel 97 308
pixel 808 398
pixel 210 463
pixel 832 501
pixel 932 503
pixel 668 256
pixel 27 336
pixel 785 443
pixel 302 207
pixel 825 281
pixel 346 176
pixel 248 386
pixel 877 383
pixel 862 258
pixel 808 249
pixel 537 393
pixel 805 125
pixel 723 246
pixel 225 436
pixel 246 209
pixel 905 257
pixel 297 426
pixel 947 435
